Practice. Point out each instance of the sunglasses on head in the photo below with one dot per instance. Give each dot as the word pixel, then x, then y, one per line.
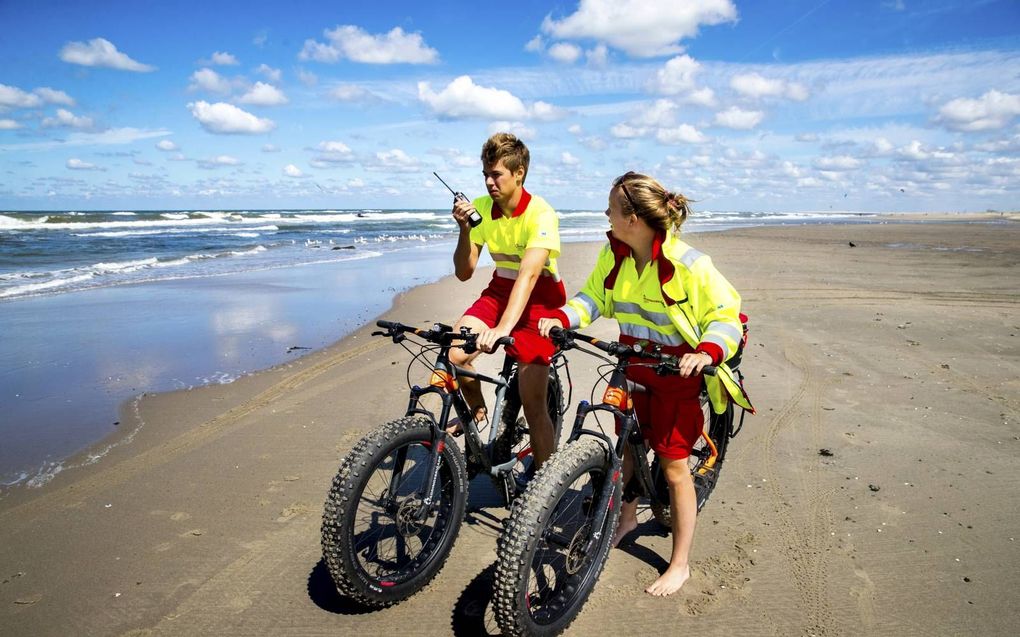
pixel 623 186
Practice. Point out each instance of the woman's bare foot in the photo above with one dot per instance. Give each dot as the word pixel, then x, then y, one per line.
pixel 626 525
pixel 670 581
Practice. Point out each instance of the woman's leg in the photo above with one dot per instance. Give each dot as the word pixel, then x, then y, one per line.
pixel 683 502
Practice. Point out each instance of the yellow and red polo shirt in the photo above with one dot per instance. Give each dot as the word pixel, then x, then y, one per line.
pixel 532 224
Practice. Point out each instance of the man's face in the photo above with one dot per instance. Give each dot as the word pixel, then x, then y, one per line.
pixel 500 182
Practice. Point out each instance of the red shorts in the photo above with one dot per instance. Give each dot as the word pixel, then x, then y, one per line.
pixel 529 346
pixel 669 411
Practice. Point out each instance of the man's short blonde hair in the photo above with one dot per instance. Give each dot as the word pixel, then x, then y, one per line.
pixel 511 150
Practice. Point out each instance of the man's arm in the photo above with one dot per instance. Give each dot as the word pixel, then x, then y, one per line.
pixel 465 256
pixel 531 268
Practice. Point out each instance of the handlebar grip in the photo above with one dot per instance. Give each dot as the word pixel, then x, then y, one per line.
pixel 709 370
pixel 505 340
pixel 389 325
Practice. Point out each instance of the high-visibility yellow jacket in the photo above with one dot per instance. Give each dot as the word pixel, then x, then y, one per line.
pixel 678 298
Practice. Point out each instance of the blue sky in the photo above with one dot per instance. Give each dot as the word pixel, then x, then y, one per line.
pixel 870 105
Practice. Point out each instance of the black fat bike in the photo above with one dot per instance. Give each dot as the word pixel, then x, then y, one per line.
pixel 558 537
pixel 397 501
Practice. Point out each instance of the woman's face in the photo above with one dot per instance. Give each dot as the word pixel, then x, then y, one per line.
pixel 619 221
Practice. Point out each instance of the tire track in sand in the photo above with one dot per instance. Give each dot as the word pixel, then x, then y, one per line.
pixel 804 540
pixel 25 514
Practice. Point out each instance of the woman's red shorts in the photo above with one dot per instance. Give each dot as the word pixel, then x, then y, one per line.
pixel 669 412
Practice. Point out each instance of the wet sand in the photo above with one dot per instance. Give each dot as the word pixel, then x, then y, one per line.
pixel 899 356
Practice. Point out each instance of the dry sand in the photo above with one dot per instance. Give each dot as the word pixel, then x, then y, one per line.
pixel 903 362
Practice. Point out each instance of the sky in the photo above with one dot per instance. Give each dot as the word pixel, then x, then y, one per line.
pixel 799 105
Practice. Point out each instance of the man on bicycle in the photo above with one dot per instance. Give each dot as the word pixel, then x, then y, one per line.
pixel 521 232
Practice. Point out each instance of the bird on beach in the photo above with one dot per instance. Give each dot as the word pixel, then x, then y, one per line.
pixel 853 245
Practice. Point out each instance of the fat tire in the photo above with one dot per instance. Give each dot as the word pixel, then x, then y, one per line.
pixel 524 531
pixel 340 512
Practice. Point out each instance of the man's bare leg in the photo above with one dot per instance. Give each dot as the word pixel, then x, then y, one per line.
pixel 628 510
pixel 533 381
pixel 470 387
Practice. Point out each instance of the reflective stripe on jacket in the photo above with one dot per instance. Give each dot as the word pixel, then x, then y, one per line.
pixel 679 297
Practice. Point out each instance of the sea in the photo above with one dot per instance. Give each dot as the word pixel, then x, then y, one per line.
pixel 98 307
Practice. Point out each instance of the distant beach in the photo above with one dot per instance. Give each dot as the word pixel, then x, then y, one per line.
pixel 103 306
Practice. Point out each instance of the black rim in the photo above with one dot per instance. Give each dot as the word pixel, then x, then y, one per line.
pixel 390 542
pixel 562 569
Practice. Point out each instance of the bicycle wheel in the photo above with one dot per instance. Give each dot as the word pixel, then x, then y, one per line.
pixel 513 437
pixel 375 542
pixel 717 427
pixel 549 555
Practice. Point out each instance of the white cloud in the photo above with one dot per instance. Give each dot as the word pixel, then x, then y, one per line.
pixel 166 145
pixel 333 152
pixel 356 182
pixel 273 75
pixel 642 28
pixel 682 134
pixel 567 159
pixel 355 44
pixel 101 52
pixel 53 96
pixel 349 93
pixel 699 97
pixel 597 56
pixel 626 131
pixel 676 76
pixel 462 98
pixel 9 124
pixel 535 45
pixel 756 86
pixel 77 164
pixel 292 171
pixel 221 58
pixel 545 112
pixel 739 119
pixel 66 118
pixel 564 52
pixel 209 80
pixel 395 160
pixel 263 94
pixel 270 148
pixel 838 163
pixel 522 130
pixel 112 136
pixel 991 111
pixel 219 161
pixel 14 97
pixel 307 77
pixel 225 118
pixel 659 113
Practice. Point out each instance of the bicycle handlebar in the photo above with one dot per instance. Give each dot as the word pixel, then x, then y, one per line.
pixel 440 334
pixel 667 362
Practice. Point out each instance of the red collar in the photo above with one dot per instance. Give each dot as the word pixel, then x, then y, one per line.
pixel 522 205
pixel 621 250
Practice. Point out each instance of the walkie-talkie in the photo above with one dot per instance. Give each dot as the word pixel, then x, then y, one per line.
pixel 475 218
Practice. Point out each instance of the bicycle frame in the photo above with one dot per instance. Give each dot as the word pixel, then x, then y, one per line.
pixel 617 401
pixel 445 383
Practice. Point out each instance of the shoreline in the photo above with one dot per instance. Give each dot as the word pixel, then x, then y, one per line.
pixel 207 522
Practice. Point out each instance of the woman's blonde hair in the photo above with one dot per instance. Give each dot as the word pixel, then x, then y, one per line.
pixel 649 200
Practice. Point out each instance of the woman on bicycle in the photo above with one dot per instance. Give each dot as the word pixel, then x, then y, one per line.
pixel 662 292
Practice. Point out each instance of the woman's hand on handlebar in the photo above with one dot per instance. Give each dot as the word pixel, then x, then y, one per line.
pixel 546 325
pixel 692 363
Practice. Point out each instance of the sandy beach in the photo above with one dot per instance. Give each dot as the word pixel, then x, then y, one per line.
pixel 899 356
